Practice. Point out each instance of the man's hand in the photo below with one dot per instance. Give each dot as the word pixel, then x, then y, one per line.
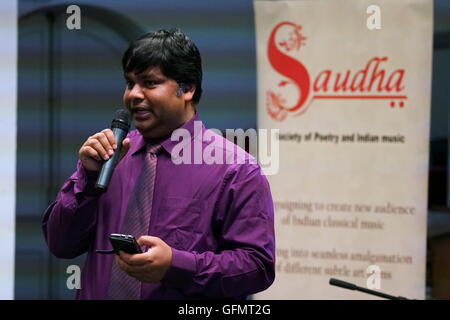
pixel 100 147
pixel 150 266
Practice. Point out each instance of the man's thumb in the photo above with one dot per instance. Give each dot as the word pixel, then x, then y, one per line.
pixel 125 147
pixel 148 241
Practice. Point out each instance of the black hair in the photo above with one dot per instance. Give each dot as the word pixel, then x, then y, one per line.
pixel 170 50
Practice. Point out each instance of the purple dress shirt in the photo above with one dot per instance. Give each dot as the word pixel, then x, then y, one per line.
pixel 217 218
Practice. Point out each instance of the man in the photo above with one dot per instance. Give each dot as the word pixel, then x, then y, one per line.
pixel 208 230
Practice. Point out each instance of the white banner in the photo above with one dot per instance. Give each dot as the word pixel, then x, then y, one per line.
pixel 348 84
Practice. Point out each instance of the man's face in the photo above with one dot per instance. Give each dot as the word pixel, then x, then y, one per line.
pixel 153 102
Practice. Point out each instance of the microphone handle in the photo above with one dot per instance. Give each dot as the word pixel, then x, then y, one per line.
pixel 109 165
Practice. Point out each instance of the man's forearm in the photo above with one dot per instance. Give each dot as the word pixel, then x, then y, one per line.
pixel 229 274
pixel 71 218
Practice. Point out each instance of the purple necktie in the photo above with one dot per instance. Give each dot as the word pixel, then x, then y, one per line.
pixel 137 220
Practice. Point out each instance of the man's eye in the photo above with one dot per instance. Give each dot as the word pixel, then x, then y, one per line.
pixel 129 84
pixel 149 83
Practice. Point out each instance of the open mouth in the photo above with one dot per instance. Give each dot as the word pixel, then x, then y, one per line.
pixel 140 113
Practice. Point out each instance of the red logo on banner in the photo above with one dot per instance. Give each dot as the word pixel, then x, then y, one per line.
pixel 371 82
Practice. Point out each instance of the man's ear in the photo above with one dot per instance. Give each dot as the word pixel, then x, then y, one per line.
pixel 188 90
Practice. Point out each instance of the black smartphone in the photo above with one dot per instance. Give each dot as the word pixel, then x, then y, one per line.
pixel 125 243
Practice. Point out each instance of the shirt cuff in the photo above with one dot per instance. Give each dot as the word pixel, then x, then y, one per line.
pixel 85 181
pixel 182 270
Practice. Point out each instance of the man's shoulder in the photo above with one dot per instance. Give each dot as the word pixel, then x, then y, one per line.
pixel 235 161
pixel 233 154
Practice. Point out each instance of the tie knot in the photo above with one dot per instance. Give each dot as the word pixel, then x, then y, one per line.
pixel 153 148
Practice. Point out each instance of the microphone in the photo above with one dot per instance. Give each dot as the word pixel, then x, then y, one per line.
pixel 351 286
pixel 120 127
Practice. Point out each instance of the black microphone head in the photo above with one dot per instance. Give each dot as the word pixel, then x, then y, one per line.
pixel 122 120
pixel 123 115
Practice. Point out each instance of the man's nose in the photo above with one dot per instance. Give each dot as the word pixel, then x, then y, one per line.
pixel 136 92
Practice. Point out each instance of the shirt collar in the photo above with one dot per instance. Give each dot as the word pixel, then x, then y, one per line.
pixel 166 143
